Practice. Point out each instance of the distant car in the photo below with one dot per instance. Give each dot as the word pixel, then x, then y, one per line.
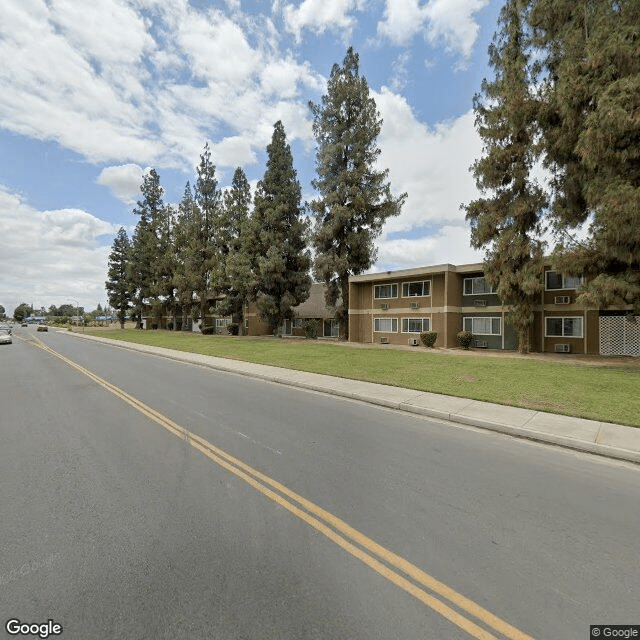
pixel 24 324
pixel 5 336
pixel 43 327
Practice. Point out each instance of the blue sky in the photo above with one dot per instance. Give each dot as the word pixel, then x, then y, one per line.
pixel 92 94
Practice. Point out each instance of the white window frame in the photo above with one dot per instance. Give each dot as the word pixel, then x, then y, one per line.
pixel 394 322
pixel 483 318
pixel 296 323
pixel 564 286
pixel 476 293
pixel 222 322
pixel 563 318
pixel 416 295
pixel 425 321
pixel 376 287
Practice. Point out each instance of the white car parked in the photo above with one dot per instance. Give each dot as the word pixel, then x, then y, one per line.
pixel 5 336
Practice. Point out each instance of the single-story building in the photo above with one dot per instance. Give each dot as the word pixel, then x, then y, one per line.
pixel 313 309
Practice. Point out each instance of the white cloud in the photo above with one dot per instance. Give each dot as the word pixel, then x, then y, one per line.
pixel 114 84
pixel 123 181
pixel 452 21
pixel 50 256
pixel 450 245
pixel 431 165
pixel 448 21
pixel 402 20
pixel 320 16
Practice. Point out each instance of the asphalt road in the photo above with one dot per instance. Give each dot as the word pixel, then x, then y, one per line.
pixel 114 527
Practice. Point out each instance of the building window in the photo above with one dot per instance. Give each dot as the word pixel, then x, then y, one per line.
pixel 296 323
pixel 555 281
pixel 383 291
pixel 564 327
pixel 331 328
pixel 222 322
pixel 415 325
pixel 416 289
pixel 476 286
pixel 485 326
pixel 385 325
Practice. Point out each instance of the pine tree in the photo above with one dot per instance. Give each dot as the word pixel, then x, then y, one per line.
pixel 507 221
pixel 355 198
pixel 118 285
pixel 235 215
pixel 591 133
pixel 281 262
pixel 163 270
pixel 144 245
pixel 185 254
pixel 205 268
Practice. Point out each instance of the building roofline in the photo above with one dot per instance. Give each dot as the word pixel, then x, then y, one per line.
pixel 418 271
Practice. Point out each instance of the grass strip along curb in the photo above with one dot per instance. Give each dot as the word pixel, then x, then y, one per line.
pixel 606 393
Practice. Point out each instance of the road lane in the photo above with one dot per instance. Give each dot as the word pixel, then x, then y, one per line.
pixel 427 494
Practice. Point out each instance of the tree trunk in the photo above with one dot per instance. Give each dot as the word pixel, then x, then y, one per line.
pixel 523 344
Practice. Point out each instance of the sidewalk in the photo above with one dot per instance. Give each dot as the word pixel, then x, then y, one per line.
pixel 603 438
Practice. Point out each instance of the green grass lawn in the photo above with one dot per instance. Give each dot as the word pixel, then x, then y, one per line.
pixel 607 393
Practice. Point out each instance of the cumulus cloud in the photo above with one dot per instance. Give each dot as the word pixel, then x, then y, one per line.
pixel 114 84
pixel 123 181
pixel 449 245
pixel 448 21
pixel 50 256
pixel 453 22
pixel 321 15
pixel 431 166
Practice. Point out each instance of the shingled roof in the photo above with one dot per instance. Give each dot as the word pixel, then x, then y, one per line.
pixel 314 306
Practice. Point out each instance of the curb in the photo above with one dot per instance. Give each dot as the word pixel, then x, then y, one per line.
pixel 583 446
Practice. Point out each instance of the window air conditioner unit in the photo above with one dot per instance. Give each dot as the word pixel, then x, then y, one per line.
pixel 481 344
pixel 384 307
pixel 563 348
pixel 479 303
pixel 414 342
pixel 562 300
pixel 384 340
pixel 414 305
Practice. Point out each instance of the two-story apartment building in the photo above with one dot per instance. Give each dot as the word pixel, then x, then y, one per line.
pixel 396 306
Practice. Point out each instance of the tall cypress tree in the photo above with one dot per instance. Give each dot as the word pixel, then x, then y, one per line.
pixel 235 215
pixel 507 221
pixel 207 197
pixel 591 133
pixel 117 286
pixel 144 246
pixel 184 247
pixel 355 199
pixel 280 258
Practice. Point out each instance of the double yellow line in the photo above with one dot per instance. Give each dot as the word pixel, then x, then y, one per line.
pixel 388 564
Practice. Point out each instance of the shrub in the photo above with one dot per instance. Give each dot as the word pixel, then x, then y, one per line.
pixel 233 328
pixel 465 338
pixel 310 328
pixel 428 338
pixel 207 331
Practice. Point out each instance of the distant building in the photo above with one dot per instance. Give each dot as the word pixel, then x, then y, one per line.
pixel 313 308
